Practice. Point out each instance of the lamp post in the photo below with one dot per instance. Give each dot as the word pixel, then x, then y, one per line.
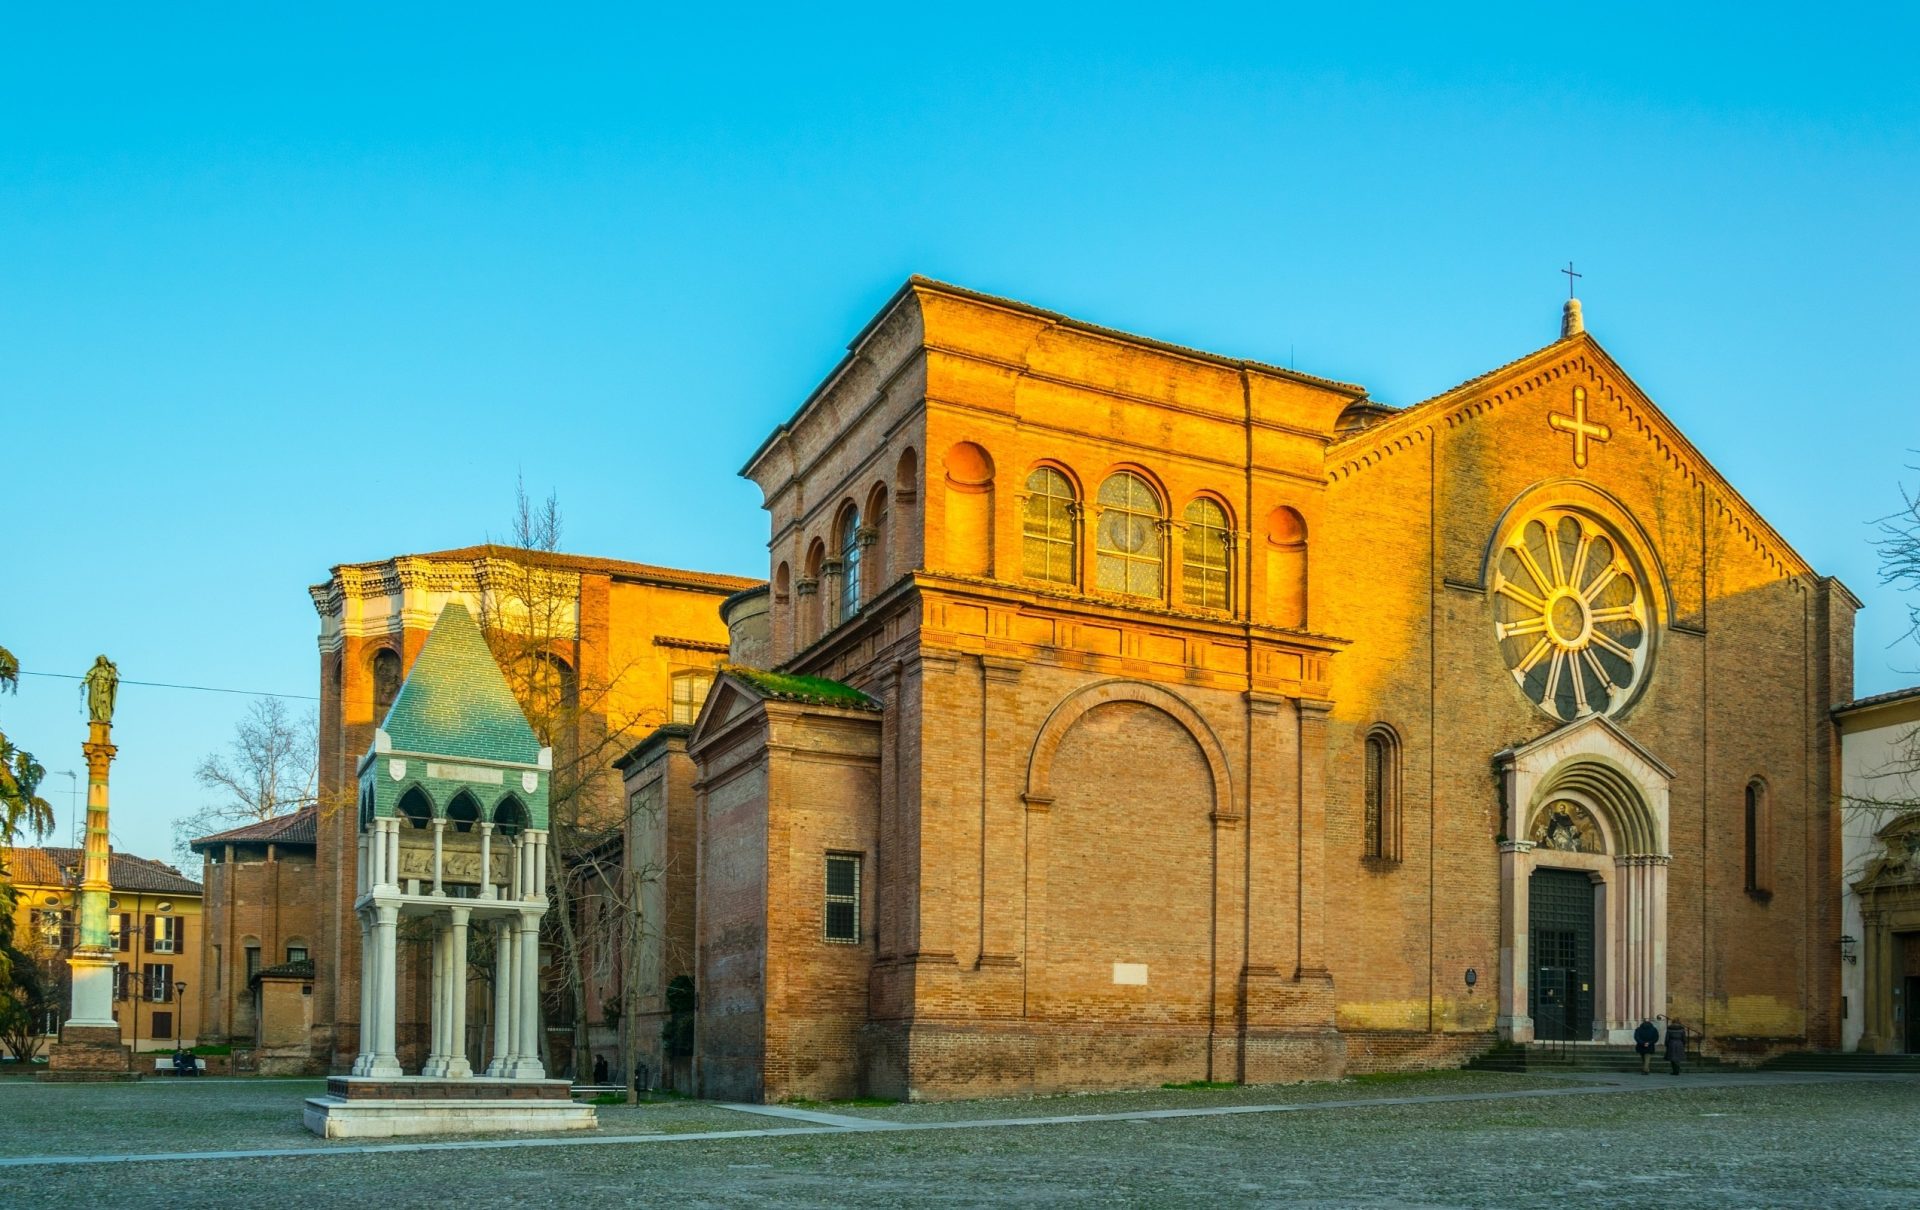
pixel 180 1010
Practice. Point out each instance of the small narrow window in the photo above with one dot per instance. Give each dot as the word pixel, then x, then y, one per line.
pixel 1206 572
pixel 843 898
pixel 1381 793
pixel 296 953
pixel 219 975
pixel 849 563
pixel 1049 528
pixel 386 680
pixel 253 961
pixel 689 693
pixel 1759 832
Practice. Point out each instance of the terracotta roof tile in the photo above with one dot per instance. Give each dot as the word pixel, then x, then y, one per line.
pixel 301 827
pixel 43 867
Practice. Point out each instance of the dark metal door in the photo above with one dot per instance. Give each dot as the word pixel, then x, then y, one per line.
pixel 1560 905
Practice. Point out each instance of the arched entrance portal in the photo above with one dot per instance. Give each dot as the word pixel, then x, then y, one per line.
pixel 1583 886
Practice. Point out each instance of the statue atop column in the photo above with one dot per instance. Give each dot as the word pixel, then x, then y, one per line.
pixel 90 1041
pixel 103 685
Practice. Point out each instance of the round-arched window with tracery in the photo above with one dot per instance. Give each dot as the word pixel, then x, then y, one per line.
pixel 1571 613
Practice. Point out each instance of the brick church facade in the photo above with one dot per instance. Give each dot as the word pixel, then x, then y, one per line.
pixel 1136 714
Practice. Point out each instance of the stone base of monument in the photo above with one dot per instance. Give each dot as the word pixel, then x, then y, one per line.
pixel 88 1053
pixel 367 1107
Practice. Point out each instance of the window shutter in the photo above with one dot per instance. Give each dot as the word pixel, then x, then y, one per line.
pixel 179 934
pixel 149 934
pixel 126 937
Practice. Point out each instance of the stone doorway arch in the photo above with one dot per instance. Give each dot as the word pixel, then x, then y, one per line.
pixel 1587 798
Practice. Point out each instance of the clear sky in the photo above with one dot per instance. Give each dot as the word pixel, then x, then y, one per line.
pixel 282 288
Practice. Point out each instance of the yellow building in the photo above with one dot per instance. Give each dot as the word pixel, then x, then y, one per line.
pixel 156 920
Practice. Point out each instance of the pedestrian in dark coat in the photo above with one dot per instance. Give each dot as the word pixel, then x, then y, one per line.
pixel 1676 1045
pixel 600 1069
pixel 1644 1040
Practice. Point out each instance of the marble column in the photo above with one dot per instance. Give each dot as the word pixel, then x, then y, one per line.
pixel 504 1036
pixel 458 1066
pixel 527 974
pixel 364 1060
pixel 436 1064
pixel 386 1061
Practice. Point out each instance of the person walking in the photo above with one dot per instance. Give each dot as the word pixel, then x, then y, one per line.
pixel 1676 1045
pixel 600 1069
pixel 1644 1039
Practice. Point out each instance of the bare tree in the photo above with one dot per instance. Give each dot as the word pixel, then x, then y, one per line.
pixel 529 605
pixel 268 770
pixel 1893 790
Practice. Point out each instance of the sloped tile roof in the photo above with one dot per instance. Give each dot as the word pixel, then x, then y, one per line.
pixel 455 702
pixel 301 827
pixel 42 867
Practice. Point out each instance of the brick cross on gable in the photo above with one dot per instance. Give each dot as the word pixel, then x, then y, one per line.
pixel 1582 429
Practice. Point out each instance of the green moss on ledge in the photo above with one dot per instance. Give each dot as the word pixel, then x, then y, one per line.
pixel 815 690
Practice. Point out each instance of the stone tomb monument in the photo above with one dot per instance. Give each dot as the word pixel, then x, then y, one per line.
pixel 453 832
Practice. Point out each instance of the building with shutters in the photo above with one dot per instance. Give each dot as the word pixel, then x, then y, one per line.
pixel 155 915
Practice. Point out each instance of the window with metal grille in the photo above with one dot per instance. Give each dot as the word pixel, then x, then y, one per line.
pixel 849 563
pixel 689 692
pixel 296 953
pixel 843 898
pixel 1206 565
pixel 1127 539
pixel 1049 528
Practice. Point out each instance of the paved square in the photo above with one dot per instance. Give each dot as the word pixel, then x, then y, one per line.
pixel 1447 1139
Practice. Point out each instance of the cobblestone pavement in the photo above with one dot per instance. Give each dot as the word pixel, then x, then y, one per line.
pixel 1453 1140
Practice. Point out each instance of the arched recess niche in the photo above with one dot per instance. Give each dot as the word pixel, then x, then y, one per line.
pixel 1286 572
pixel 967 526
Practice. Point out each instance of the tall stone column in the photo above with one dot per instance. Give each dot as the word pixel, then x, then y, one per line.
pixel 526 1060
pixel 436 1064
pixel 386 1059
pixel 455 1046
pixel 92 961
pixel 504 1035
pixel 363 1061
pixel 90 1045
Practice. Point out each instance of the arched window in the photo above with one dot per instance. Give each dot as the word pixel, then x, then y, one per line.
pixel 415 807
pixel 878 565
pixel 509 817
pixel 849 542
pixel 1049 548
pixel 463 812
pixel 1381 795
pixel 1759 847
pixel 386 680
pixel 1206 562
pixel 1128 536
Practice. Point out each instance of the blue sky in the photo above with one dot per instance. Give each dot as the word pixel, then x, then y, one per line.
pixel 285 289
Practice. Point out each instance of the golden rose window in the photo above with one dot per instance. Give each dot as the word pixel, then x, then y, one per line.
pixel 1570 613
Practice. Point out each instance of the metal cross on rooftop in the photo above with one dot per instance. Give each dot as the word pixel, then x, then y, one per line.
pixel 1570 276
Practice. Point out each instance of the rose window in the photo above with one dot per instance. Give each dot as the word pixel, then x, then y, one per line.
pixel 1571 615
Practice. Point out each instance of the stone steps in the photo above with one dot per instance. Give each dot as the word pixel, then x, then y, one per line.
pixel 1552 1058
pixel 1808 1060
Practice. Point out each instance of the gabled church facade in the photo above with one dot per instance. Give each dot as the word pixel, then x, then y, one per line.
pixel 1139 715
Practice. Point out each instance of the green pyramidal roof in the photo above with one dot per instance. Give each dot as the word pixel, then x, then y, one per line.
pixel 456 703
